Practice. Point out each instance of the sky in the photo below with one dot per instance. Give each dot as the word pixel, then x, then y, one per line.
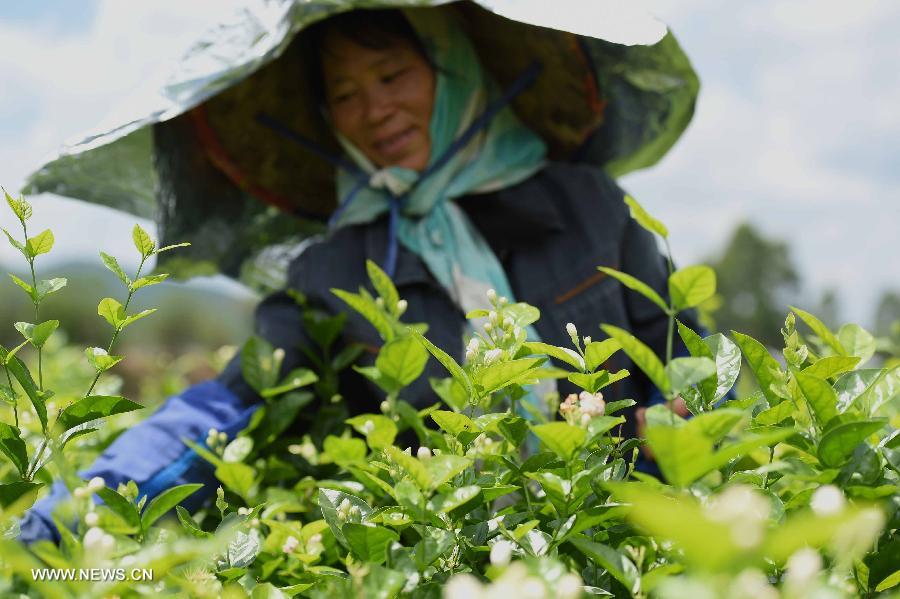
pixel 797 127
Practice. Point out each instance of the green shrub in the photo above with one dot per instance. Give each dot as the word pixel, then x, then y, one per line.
pixel 790 491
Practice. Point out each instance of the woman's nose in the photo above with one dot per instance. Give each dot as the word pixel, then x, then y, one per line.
pixel 378 105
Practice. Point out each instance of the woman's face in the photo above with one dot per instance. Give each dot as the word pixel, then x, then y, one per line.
pixel 381 100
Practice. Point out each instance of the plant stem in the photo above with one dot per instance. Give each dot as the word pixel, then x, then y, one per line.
pixel 37 304
pixel 118 329
pixel 15 402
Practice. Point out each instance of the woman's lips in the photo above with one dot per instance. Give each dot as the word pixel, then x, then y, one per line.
pixel 395 145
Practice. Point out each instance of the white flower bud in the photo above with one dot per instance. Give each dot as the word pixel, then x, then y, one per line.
pixel 254 523
pixel 463 586
pixel 379 302
pixel 96 483
pixel 533 588
pixel 587 340
pixel 385 407
pixel 223 437
pixel 81 492
pixel 492 355
pixel 571 330
pixel 585 419
pixel 402 305
pixel 93 538
pixel 802 567
pixel 470 355
pixel 344 505
pixel 501 553
pixel 488 327
pixel 569 587
pixel 290 545
pixel 213 432
pixel 278 354
pixel 828 500
pixel 492 316
pixel 503 300
pixel 423 453
pixel 474 344
pixel 492 295
pixel 91 519
pixel 244 511
pixel 367 427
pixel 508 323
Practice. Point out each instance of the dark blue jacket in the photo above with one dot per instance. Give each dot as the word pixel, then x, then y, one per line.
pixel 550 233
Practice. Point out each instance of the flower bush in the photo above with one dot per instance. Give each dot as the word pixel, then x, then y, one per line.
pixel 790 491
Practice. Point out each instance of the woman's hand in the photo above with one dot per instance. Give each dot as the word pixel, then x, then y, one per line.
pixel 677 405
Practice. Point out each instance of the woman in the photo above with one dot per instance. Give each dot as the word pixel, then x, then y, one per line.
pixel 443 185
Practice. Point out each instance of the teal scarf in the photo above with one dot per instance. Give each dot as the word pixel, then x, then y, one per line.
pixel 430 223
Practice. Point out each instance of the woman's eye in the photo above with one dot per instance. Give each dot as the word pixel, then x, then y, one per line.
pixel 339 98
pixel 392 76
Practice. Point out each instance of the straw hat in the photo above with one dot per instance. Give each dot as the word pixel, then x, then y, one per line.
pixel 209 172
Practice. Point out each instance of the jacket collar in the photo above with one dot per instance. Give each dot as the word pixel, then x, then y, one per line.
pixel 509 218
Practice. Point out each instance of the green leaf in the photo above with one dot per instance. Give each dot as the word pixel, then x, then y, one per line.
pixel 563 354
pixel 329 500
pixel 776 414
pixel 123 508
pixel 644 219
pixel 636 285
pixel 383 286
pixel 13 447
pixel 344 451
pixel 94 407
pixel 727 357
pixel 442 468
pixel 502 374
pixel 857 341
pixel 112 311
pixel 172 247
pixel 369 543
pixel 40 243
pixel 684 372
pixel 28 288
pixel 20 207
pixel 20 372
pixel 684 454
pixel 297 378
pixel 445 503
pixel 410 465
pixel 130 319
pixel 237 477
pixel 17 497
pixel 402 359
pixel 37 335
pixel 596 353
pixel 142 241
pixel 15 243
pixel 761 363
pixel 258 365
pixel 147 281
pixel 819 328
pixel 819 395
pixel 839 442
pixel 830 366
pixel 457 425
pixel 691 286
pixel 617 564
pixel 455 370
pixel 379 434
pixel 100 360
pixel 366 306
pixel 641 355
pixel 189 524
pixel 513 429
pixel 165 501
pixel 562 438
pixel 48 286
pixel 888 582
pixel 113 265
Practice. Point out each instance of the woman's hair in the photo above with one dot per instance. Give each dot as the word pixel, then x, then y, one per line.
pixel 373 29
